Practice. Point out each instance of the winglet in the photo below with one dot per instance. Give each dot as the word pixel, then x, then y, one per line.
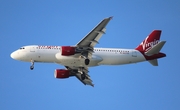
pixel 111 17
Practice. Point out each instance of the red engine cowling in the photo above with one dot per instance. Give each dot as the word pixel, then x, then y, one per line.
pixel 67 50
pixel 61 73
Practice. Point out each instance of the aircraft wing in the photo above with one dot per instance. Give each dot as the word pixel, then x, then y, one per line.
pixel 86 81
pixel 86 47
pixel 92 38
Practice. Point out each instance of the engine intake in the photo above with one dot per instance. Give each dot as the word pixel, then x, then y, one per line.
pixel 61 73
pixel 68 50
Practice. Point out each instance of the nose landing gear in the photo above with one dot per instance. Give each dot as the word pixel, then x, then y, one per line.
pixel 32 65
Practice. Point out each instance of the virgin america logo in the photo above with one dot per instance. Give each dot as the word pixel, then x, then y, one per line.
pixel 148 45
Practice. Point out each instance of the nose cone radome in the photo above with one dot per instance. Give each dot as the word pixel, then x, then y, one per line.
pixel 14 55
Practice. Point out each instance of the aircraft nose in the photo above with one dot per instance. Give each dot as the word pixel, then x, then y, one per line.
pixel 14 55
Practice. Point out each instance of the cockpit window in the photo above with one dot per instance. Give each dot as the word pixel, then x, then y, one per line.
pixel 22 48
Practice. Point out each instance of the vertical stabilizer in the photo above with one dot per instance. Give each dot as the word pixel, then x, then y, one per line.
pixel 150 41
pixel 151 46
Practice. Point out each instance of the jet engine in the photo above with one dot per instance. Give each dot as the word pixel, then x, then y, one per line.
pixel 61 73
pixel 68 50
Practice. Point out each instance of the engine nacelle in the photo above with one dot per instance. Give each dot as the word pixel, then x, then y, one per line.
pixel 61 73
pixel 68 50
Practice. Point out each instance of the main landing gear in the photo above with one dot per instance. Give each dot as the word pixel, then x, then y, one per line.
pixel 86 61
pixel 83 76
pixel 32 65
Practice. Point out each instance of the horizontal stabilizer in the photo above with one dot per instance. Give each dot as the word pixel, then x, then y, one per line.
pixel 155 49
pixel 154 62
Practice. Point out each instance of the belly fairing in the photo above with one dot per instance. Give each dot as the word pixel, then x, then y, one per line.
pixel 76 60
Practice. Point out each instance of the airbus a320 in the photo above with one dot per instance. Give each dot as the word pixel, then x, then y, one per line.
pixel 78 58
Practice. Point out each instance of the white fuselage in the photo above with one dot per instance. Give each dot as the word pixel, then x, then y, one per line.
pixel 101 56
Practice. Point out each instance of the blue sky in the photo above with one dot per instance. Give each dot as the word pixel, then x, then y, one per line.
pixel 129 87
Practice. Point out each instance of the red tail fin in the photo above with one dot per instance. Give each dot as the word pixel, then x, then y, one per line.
pixel 150 41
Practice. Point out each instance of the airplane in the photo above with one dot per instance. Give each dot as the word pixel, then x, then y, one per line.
pixel 78 58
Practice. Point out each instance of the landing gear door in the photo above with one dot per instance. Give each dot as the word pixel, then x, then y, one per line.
pixel 134 54
pixel 32 49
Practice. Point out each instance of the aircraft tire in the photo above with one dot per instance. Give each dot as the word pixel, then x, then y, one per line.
pixel 83 76
pixel 31 67
pixel 86 61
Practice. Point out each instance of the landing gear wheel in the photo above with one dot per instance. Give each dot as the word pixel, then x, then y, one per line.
pixel 31 67
pixel 83 76
pixel 86 61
